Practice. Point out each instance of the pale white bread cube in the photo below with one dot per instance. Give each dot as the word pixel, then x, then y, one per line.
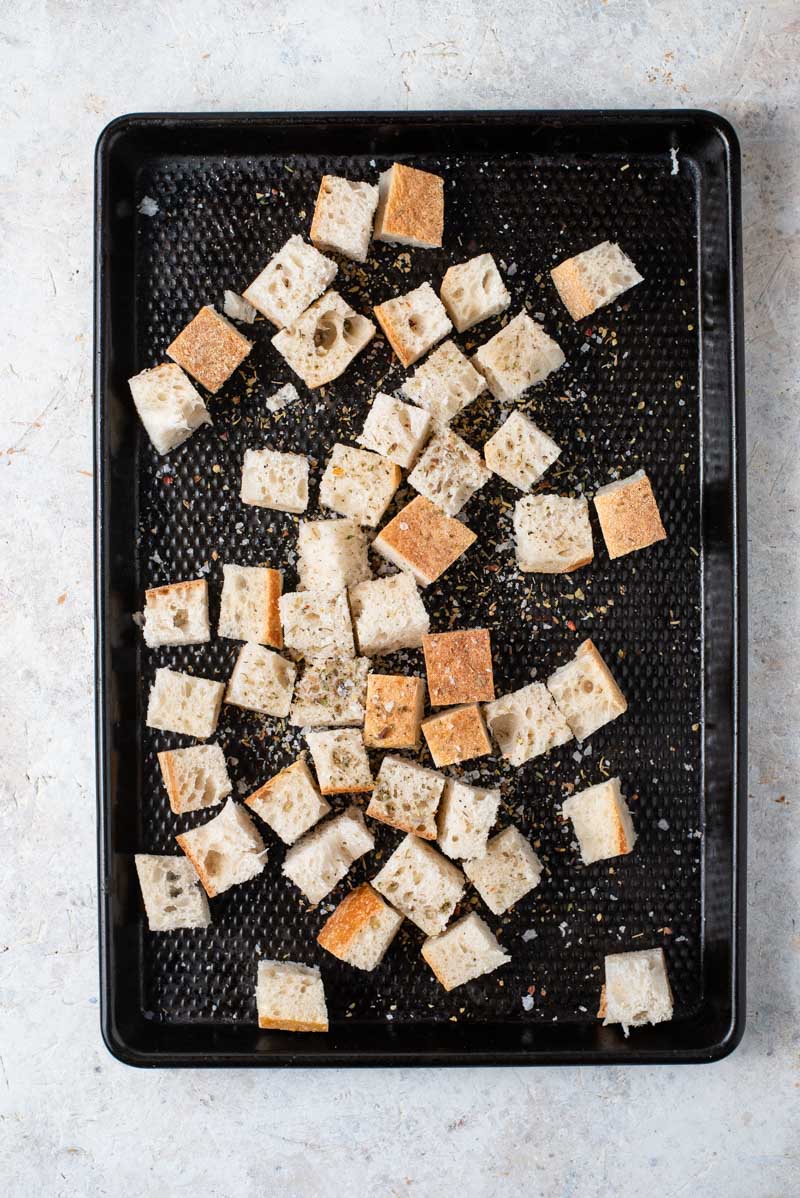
pixel 526 723
pixel 340 761
pixel 172 894
pixel 343 216
pixel 275 480
pixel 321 859
pixel 508 870
pixel 331 556
pixel 316 625
pixel 406 796
pixel 444 384
pixel 395 429
pixel 422 884
pixel 168 405
pixel 290 997
pixel 324 340
pixel 361 929
pixel 517 357
pixel 553 534
pixel 449 472
pixel 177 614
pixel 292 279
pixel 249 608
pixel 473 291
pixel 423 540
pixel 520 452
pixel 226 851
pixel 195 778
pixel 636 990
pixel 601 820
pixel 585 692
pixel 465 818
pixel 410 207
pixel 594 278
pixel 388 614
pixel 289 802
pixel 331 693
pixel 238 308
pixel 358 484
pixel 261 681
pixel 184 703
pixel 467 950
pixel 414 322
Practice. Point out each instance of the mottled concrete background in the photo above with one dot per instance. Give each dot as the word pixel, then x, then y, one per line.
pixel 72 1121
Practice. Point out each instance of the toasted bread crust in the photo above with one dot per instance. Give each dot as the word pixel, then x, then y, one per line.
pixel 575 295
pixel 457 734
pixel 204 877
pixel 291 1025
pixel 266 789
pixel 170 781
pixel 273 632
pixel 177 588
pixel 345 790
pixel 427 539
pixel 589 649
pixel 629 517
pixel 209 349
pixel 414 207
pixel 394 334
pixel 459 667
pixel 399 727
pixel 355 910
pixel 601 1010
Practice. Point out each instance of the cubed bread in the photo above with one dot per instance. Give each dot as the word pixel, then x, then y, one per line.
pixel 628 515
pixel 238 308
pixel 395 706
pixel 410 207
pixel 322 342
pixel 292 279
pixel 317 626
pixel 321 859
pixel 517 357
pixel 456 734
pixel 526 723
pixel 275 480
pixel 185 704
pixel 601 820
pixel 449 472
pixel 340 760
pixel 423 540
pixel 637 989
pixel 249 608
pixel 395 429
pixel 361 929
pixel 177 614
pixel 280 399
pixel 467 950
pixel 210 348
pixel 585 691
pixel 343 217
pixel 520 452
pixel 406 796
pixel 261 681
pixel 508 870
pixel 168 405
pixel 358 484
pixel 290 802
pixel 172 894
pixel 290 997
pixel 195 778
pixel 465 818
pixel 553 534
pixel 444 384
pixel 331 556
pixel 473 291
pixel 331 693
pixel 459 666
pixel 422 884
pixel 413 323
pixel 594 278
pixel 226 851
pixel 388 614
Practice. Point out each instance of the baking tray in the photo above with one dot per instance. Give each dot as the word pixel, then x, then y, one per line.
pixel 654 381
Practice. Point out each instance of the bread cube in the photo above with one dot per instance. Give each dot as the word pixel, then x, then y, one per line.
pixel 637 989
pixel 628 515
pixel 317 626
pixel 527 723
pixel 585 692
pixel 520 452
pixel 275 480
pixel 553 534
pixel 423 540
pixel 395 429
pixel 422 884
pixel 449 472
pixel 322 342
pixel 517 357
pixel 358 484
pixel 261 681
pixel 473 291
pixel 444 384
pixel 601 820
pixel 249 608
pixel 343 217
pixel 209 349
pixel 321 859
pixel 465 818
pixel 457 734
pixel 331 556
pixel 410 207
pixel 176 614
pixel 395 705
pixel 594 278
pixel 290 997
pixel 172 894
pixel 467 950
pixel 340 761
pixel 226 851
pixel 388 614
pixel 195 778
pixel 280 399
pixel 238 308
pixel 290 802
pixel 459 666
pixel 508 870
pixel 406 796
pixel 361 929
pixel 331 693
pixel 413 323
pixel 168 405
pixel 185 704
pixel 292 279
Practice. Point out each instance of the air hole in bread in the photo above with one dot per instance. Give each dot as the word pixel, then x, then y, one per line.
pixel 325 333
pixel 587 686
pixel 213 862
pixel 486 280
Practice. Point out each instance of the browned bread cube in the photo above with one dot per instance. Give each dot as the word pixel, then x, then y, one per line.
pixel 628 515
pixel 210 348
pixel 459 667
pixel 361 929
pixel 423 540
pixel 457 734
pixel 410 207
pixel 395 706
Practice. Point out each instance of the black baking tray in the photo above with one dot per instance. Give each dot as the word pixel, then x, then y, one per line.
pixel 653 381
